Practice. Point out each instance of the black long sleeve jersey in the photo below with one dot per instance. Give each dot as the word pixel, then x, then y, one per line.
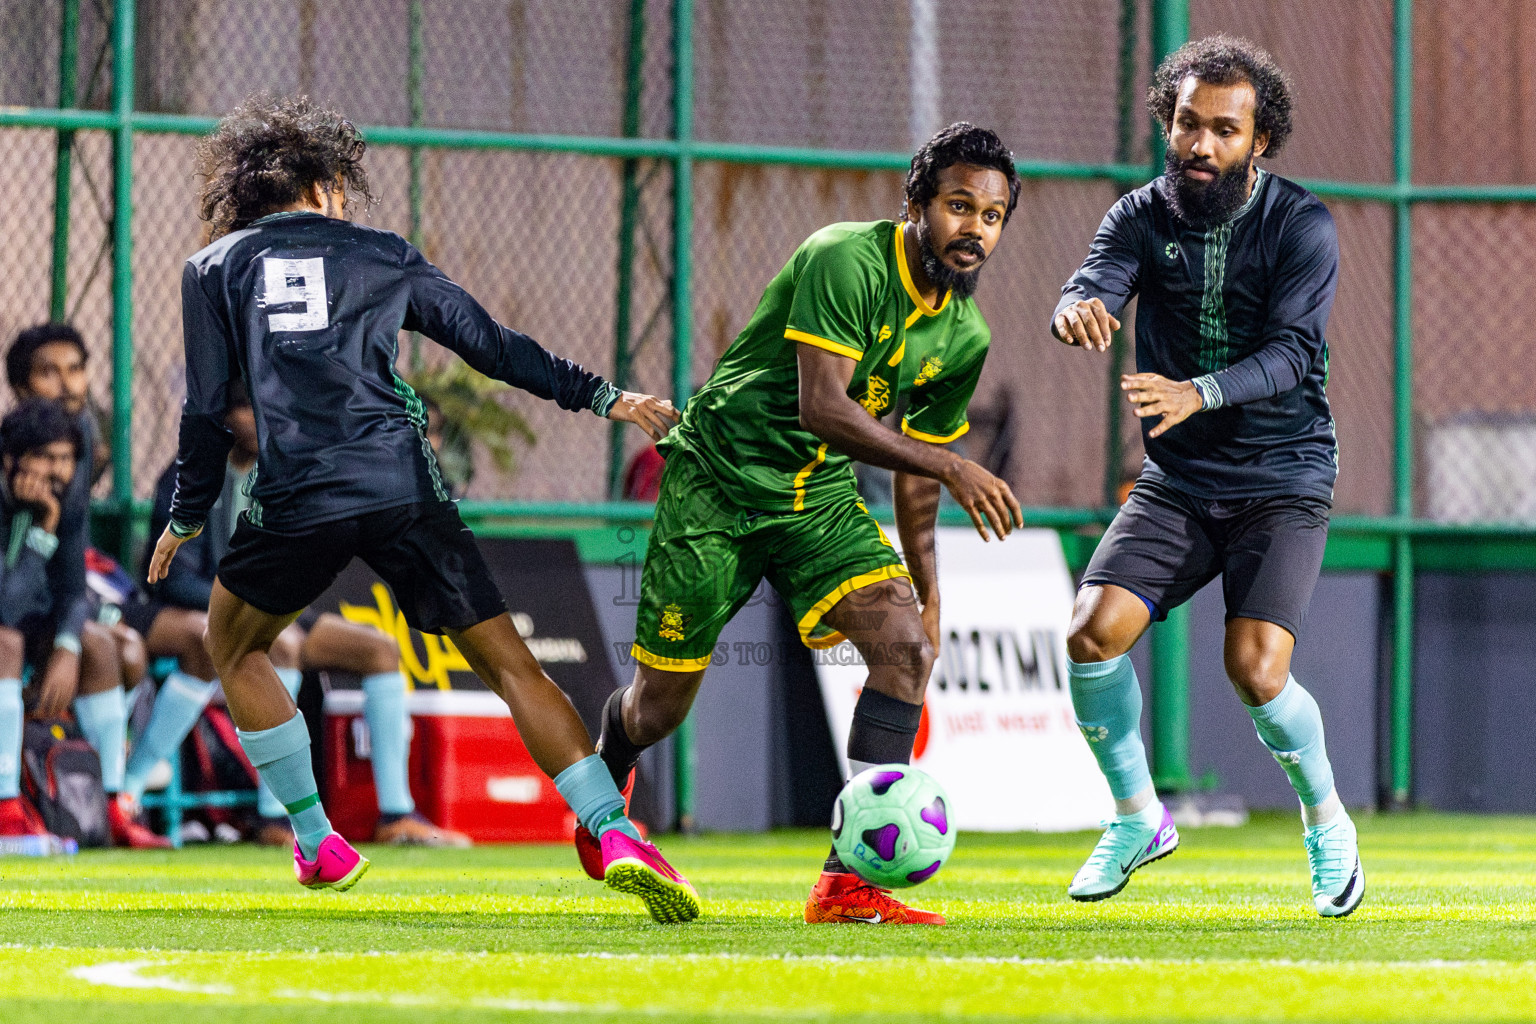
pixel 1240 310
pixel 307 310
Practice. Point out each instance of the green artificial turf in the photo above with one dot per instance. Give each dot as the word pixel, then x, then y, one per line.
pixel 1222 930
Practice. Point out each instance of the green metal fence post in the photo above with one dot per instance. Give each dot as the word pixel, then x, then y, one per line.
pixel 69 57
pixel 123 18
pixel 1125 139
pixel 1170 30
pixel 682 309
pixel 413 189
pixel 1170 638
pixel 629 206
pixel 1170 702
pixel 1402 402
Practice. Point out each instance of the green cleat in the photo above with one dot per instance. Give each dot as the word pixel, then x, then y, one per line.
pixel 1333 854
pixel 1125 846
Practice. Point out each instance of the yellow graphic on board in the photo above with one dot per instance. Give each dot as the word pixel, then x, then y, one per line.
pixel 439 656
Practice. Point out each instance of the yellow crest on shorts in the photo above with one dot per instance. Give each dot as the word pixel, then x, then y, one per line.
pixel 931 367
pixel 672 623
pixel 876 396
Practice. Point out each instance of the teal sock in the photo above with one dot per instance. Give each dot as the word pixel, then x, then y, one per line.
pixel 267 805
pixel 389 732
pixel 103 717
pixel 588 789
pixel 1107 700
pixel 10 738
pixel 1291 726
pixel 178 706
pixel 281 757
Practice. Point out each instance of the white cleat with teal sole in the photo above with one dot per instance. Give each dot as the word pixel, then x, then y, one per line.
pixel 1125 846
pixel 1333 853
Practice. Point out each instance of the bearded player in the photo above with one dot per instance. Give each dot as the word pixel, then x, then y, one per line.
pixel 306 309
pixel 1236 269
pixel 759 475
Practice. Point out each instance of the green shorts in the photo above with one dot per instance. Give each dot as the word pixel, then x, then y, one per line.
pixel 707 556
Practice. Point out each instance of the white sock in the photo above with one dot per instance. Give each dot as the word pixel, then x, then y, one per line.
pixel 1323 813
pixel 1139 804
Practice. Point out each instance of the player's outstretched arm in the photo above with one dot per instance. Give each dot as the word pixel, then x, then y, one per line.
pixel 450 316
pixel 828 412
pixel 1105 282
pixel 653 415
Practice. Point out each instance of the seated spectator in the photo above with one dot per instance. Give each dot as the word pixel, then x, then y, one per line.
pixel 39 445
pixel 48 362
pixel 315 641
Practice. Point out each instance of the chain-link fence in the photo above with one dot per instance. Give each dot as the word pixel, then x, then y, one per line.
pixel 532 149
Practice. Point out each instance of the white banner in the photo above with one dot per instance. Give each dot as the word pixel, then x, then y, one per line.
pixel 998 730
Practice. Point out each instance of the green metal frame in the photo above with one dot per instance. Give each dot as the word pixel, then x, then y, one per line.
pixel 63 169
pixel 1402 405
pixel 1169 713
pixel 1396 544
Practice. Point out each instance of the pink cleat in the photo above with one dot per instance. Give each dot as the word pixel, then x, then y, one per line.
pixel 636 867
pixel 336 865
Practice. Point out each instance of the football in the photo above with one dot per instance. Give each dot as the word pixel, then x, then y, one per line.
pixel 891 825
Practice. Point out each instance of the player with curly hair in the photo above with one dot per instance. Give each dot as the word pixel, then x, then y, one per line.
pixel 1236 269
pixel 759 476
pixel 306 308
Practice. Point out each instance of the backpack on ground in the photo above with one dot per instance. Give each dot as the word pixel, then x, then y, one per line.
pixel 63 781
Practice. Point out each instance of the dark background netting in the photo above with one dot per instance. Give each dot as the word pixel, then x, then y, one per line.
pixel 536 236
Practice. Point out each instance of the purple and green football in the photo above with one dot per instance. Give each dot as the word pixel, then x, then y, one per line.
pixel 892 825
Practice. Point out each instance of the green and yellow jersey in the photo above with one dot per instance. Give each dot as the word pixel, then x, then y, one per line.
pixel 847 290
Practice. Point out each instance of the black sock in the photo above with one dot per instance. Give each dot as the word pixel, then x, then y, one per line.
pixel 883 732
pixel 614 746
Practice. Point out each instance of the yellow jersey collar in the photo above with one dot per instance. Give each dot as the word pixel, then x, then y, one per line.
pixel 906 276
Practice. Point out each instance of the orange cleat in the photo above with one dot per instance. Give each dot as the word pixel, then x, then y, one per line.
pixel 588 850
pixel 127 830
pixel 845 898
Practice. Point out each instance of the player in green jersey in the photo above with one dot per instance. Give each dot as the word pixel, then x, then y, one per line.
pixel 759 479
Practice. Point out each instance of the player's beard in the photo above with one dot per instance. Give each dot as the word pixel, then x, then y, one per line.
pixel 943 276
pixel 1204 204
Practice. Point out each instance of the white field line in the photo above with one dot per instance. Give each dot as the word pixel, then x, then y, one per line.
pixel 125 974
pixel 128 975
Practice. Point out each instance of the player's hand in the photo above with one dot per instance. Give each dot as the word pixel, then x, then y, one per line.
pixel 653 415
pixel 165 550
pixel 60 680
pixel 1086 323
pixel 985 498
pixel 36 490
pixel 1174 400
